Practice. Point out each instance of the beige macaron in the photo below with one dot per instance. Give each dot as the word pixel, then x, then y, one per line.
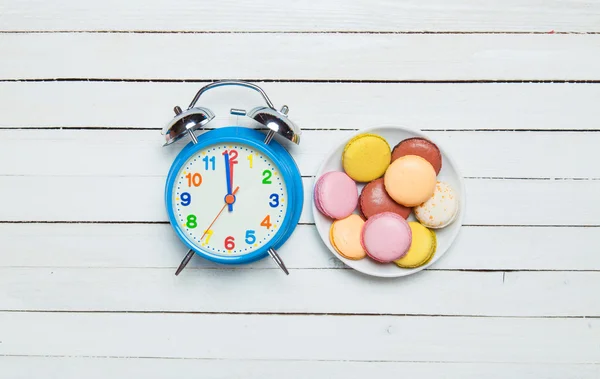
pixel 410 180
pixel 344 235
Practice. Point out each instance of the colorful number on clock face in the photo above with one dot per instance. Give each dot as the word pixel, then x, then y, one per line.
pixel 260 203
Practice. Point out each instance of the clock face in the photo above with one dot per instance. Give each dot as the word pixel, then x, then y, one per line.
pixel 201 200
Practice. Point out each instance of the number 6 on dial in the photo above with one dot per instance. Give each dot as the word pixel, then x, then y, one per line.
pixel 229 243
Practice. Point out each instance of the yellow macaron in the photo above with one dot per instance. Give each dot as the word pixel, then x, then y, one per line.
pixel 344 235
pixel 422 247
pixel 366 157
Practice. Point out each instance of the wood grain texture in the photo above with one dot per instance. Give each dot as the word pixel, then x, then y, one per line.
pixel 434 339
pixel 109 199
pixel 312 105
pixel 63 367
pixel 328 57
pixel 139 153
pixel 328 15
pixel 156 246
pixel 303 291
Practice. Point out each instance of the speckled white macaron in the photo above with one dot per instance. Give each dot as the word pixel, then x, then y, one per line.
pixel 441 209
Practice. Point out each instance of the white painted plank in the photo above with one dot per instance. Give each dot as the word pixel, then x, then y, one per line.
pixel 303 291
pixel 139 153
pixel 26 367
pixel 125 198
pixel 102 245
pixel 258 337
pixel 300 56
pixel 328 15
pixel 312 105
pixel 518 202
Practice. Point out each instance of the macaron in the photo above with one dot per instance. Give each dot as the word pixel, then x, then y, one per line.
pixel 422 247
pixel 345 237
pixel 441 209
pixel 410 180
pixel 421 147
pixel 386 237
pixel 374 199
pixel 366 157
pixel 336 195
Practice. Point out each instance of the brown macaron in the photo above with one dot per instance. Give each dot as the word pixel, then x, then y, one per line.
pixel 374 200
pixel 421 147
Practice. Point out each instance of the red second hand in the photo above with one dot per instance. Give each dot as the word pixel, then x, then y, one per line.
pixel 231 173
pixel 215 219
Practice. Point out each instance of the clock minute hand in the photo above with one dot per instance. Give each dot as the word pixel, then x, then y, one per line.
pixel 228 179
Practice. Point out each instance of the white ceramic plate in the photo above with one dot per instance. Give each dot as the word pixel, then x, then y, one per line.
pixel 445 236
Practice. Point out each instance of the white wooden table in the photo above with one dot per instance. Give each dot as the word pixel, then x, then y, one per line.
pixel 510 88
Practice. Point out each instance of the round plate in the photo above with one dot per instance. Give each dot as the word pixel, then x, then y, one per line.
pixel 445 236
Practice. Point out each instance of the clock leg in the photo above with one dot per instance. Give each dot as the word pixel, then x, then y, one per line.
pixel 184 262
pixel 278 260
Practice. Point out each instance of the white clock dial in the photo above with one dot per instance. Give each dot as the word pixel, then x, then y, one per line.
pixel 200 191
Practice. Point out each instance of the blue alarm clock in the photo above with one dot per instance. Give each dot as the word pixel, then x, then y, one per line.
pixel 233 194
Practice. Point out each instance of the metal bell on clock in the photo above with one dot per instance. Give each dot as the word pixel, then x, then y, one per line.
pixel 275 121
pixel 186 123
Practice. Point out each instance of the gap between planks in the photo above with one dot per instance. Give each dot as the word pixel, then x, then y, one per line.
pixel 385 32
pixel 503 271
pixel 335 81
pixel 300 223
pixel 290 314
pixel 312 176
pixel 122 128
pixel 249 268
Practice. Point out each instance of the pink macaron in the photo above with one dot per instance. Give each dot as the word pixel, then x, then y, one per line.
pixel 336 195
pixel 386 237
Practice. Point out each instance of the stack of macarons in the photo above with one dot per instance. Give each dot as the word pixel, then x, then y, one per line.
pixel 400 182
